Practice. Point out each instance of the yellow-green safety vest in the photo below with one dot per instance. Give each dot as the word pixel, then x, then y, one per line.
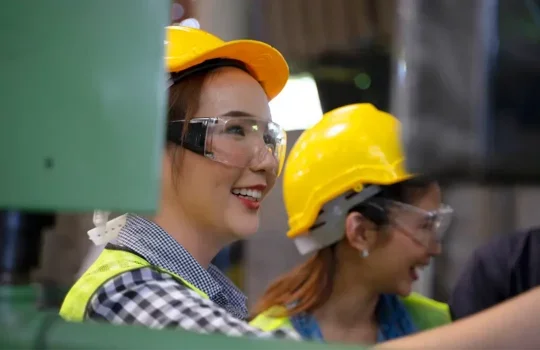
pixel 425 313
pixel 109 264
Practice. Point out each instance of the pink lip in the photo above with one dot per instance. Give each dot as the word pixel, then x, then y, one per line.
pixel 249 204
pixel 413 274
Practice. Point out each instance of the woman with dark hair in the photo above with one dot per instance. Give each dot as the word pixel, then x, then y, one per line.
pixel 371 226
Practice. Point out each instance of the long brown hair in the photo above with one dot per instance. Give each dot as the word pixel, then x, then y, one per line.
pixel 310 285
pixel 303 289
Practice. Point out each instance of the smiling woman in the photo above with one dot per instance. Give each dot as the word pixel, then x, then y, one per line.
pixel 239 138
pixel 371 225
pixel 222 156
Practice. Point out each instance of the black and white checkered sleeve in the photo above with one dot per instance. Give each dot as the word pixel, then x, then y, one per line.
pixel 153 299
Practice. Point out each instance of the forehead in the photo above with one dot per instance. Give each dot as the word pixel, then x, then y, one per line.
pixel 431 200
pixel 231 89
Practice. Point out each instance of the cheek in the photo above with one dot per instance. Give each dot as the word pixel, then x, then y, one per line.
pixel 408 251
pixel 206 179
pixel 400 250
pixel 271 181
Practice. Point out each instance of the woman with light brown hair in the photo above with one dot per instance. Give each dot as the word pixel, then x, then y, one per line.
pixel 221 157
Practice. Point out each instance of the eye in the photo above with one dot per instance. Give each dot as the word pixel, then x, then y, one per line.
pixel 235 130
pixel 426 226
pixel 269 140
pixel 429 223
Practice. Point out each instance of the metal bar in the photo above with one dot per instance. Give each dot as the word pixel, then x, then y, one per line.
pixel 440 82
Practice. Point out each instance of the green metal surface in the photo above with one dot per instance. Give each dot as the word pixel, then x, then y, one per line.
pixel 82 104
pixel 73 336
pixel 82 114
pixel 22 327
pixel 20 323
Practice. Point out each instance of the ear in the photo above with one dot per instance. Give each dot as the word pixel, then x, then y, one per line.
pixel 360 232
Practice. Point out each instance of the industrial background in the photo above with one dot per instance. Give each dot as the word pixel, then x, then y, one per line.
pixel 338 43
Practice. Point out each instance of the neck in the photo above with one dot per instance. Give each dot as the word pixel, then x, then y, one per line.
pixel 348 309
pixel 199 243
pixel 352 303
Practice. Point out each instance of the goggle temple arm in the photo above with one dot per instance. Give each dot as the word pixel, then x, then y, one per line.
pixel 194 138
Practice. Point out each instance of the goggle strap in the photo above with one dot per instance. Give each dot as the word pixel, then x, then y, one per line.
pixel 194 139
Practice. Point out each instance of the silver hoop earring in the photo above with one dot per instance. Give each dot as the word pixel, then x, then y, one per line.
pixel 364 253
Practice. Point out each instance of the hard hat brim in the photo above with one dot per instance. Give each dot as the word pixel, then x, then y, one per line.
pixel 265 63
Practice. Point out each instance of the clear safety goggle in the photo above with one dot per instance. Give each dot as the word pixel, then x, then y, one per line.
pixel 423 226
pixel 235 141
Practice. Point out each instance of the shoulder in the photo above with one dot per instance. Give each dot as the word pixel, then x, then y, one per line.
pixel 426 312
pixel 149 298
pixel 503 252
pixel 146 276
pixel 524 243
pixel 486 278
pixel 425 302
pixel 509 244
pixel 133 296
pixel 274 318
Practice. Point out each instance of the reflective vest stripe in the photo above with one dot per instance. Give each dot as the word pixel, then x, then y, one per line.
pixel 109 264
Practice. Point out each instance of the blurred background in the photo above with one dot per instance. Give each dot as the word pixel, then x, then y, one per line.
pixel 345 51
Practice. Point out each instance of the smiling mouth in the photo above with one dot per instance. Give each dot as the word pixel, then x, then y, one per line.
pixel 248 194
pixel 414 271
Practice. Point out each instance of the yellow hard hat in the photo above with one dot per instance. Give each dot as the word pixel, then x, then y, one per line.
pixel 187 47
pixel 351 146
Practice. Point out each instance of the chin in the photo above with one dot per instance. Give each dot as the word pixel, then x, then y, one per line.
pixel 404 289
pixel 241 221
pixel 244 227
pixel 244 232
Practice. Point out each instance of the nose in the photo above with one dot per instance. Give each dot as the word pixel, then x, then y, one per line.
pixel 265 161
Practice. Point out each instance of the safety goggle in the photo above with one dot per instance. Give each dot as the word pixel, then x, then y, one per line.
pixel 421 225
pixel 235 141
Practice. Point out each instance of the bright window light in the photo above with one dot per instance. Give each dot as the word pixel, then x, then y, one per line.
pixel 297 107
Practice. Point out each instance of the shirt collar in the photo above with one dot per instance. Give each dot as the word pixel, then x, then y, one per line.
pixel 159 248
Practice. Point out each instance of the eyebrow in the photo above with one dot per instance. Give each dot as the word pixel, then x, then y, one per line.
pixel 238 114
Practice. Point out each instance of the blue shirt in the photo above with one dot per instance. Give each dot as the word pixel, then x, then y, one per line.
pixel 394 321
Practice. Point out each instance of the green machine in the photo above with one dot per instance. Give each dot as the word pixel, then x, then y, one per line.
pixel 81 127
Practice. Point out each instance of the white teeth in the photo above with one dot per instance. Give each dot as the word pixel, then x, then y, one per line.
pixel 418 267
pixel 246 192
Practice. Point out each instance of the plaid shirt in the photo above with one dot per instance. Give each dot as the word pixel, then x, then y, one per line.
pixel 148 297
